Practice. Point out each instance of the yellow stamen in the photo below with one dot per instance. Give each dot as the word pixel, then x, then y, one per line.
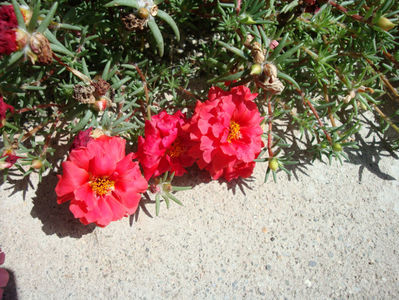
pixel 102 185
pixel 234 132
pixel 175 150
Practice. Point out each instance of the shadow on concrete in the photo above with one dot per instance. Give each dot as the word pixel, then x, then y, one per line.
pixel 56 218
pixel 10 291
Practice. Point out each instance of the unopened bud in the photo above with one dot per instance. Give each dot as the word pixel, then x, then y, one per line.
pixel 273 164
pixel 100 105
pixel 167 187
pixel 246 19
pixel 337 147
pixel 273 44
pixel 256 69
pixel 36 164
pixel 385 24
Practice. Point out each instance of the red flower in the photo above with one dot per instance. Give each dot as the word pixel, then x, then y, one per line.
pixel 4 276
pixel 102 183
pixel 226 133
pixel 10 159
pixel 7 15
pixel 3 110
pixel 8 37
pixel 82 138
pixel 165 145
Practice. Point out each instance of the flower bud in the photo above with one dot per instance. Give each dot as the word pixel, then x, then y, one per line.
pixel 246 19
pixel 167 187
pixel 385 24
pixel 273 44
pixel 337 147
pixel 256 69
pixel 273 164
pixel 100 105
pixel 362 105
pixel 36 164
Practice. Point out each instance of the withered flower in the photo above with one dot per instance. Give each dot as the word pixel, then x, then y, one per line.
pixel 41 49
pixel 269 79
pixel 133 23
pixel 101 87
pixel 257 53
pixel 84 93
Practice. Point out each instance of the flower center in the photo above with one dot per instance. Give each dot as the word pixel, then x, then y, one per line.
pixel 102 185
pixel 175 150
pixel 234 132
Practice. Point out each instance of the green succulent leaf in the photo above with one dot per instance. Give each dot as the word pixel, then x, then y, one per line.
pixel 168 19
pixel 46 22
pixel 157 35
pixel 130 3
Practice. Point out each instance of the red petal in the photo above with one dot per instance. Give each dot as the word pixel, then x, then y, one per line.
pixel 102 165
pixel 72 178
pixel 4 276
pixel 87 196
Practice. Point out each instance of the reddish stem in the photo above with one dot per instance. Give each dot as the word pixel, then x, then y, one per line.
pixel 345 11
pixel 307 102
pixel 238 8
pixel 25 109
pixel 147 98
pixel 48 138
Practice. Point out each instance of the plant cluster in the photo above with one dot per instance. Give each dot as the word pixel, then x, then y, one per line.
pixel 285 79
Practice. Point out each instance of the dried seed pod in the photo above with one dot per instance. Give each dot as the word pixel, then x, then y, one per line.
pixel 269 79
pixel 270 70
pixel 257 53
pixel 350 96
pixel 275 86
pixel 40 46
pixel 96 133
pixel 84 93
pixel 154 10
pixel 133 23
pixel 101 87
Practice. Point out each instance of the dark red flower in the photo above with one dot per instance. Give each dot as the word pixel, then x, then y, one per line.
pixel 4 276
pixel 164 147
pixel 102 183
pixel 82 138
pixel 10 159
pixel 3 110
pixel 226 133
pixel 7 15
pixel 8 43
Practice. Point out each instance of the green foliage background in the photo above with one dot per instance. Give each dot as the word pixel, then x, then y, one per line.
pixel 322 56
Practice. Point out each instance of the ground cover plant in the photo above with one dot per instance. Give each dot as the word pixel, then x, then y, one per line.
pixel 140 91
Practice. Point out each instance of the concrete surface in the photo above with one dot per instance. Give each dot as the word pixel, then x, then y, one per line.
pixel 326 232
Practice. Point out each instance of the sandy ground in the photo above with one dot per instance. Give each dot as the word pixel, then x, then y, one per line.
pixel 325 232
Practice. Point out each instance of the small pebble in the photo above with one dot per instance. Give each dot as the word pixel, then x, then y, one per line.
pixel 312 263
